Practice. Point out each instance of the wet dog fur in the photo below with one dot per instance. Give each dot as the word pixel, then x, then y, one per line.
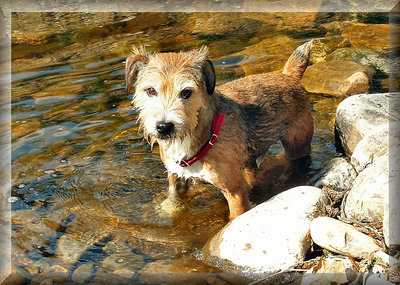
pixel 176 96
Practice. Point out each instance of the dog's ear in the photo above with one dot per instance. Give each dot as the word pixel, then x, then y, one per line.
pixel 200 57
pixel 134 62
pixel 207 69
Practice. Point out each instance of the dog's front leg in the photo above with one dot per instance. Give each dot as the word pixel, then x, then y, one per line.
pixel 236 193
pixel 177 186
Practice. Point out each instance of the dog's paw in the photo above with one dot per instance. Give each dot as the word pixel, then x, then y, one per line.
pixel 171 207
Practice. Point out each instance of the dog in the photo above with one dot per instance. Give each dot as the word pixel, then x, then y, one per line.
pixel 219 134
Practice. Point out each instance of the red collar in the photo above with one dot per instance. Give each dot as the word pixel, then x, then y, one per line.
pixel 216 126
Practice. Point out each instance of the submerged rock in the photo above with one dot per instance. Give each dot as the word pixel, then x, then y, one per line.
pixel 83 273
pixel 337 174
pixel 342 238
pixel 371 36
pixel 125 264
pixel 363 56
pixel 71 246
pixel 278 227
pixel 340 78
pixel 359 116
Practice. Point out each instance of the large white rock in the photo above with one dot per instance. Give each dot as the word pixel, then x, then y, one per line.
pixel 342 238
pixel 359 116
pixel 270 237
pixel 337 174
pixel 365 201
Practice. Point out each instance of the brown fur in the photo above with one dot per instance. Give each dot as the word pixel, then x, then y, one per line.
pixel 260 110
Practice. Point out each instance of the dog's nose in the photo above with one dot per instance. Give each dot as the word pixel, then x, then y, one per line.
pixel 165 128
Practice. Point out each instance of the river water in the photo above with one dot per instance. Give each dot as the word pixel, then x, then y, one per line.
pixel 86 187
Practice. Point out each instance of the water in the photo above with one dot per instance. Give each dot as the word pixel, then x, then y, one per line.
pixel 81 170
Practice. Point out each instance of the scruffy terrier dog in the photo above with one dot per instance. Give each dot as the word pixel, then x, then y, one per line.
pixel 219 134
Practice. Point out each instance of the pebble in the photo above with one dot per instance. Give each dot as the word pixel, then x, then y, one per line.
pixel 12 199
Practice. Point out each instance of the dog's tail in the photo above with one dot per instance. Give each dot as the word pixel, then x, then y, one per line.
pixel 298 61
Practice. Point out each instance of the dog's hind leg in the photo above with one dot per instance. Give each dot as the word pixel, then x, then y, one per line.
pixel 297 139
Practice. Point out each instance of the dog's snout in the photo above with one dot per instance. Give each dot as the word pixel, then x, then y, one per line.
pixel 165 128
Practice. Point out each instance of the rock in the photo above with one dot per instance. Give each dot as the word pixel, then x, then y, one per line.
pixel 365 201
pixel 125 264
pixel 340 78
pixel 278 227
pixel 339 269
pixel 187 264
pixel 83 273
pixel 373 279
pixel 337 174
pixel 394 273
pixel 71 246
pixel 342 238
pixel 371 36
pixel 359 116
pixel 363 56
pixel 187 270
pixel 56 273
pixel 45 263
pixel 371 148
pixel 319 52
pixel 220 24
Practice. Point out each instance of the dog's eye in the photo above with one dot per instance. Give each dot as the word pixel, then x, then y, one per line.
pixel 186 93
pixel 151 91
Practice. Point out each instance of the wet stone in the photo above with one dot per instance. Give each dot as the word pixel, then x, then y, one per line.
pixel 83 273
pixel 363 56
pixel 12 199
pixel 371 36
pixel 340 78
pixel 123 261
pixel 44 263
pixel 55 273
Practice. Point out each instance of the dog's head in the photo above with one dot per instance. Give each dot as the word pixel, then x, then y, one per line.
pixel 170 90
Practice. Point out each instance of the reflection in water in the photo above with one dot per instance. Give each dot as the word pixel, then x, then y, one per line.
pixel 88 185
